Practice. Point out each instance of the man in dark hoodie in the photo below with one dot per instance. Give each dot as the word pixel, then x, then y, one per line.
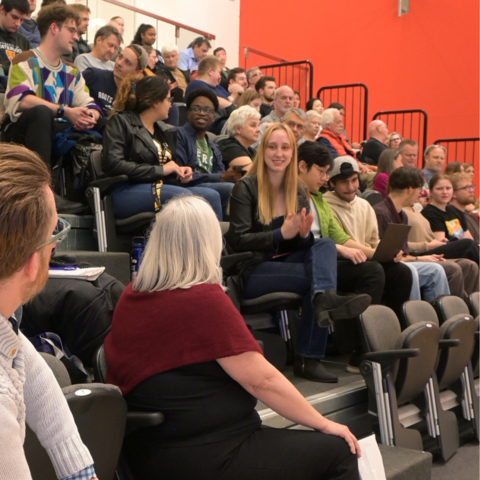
pixel 12 14
pixel 29 26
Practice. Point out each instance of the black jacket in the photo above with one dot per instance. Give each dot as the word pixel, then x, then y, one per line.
pixel 128 149
pixel 248 234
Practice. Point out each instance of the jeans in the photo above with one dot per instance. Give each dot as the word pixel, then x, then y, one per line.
pixel 133 198
pixel 223 189
pixel 305 272
pixel 429 279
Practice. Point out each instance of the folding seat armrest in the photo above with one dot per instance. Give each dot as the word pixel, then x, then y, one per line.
pixel 392 355
pixel 105 183
pixel 449 343
pixel 142 420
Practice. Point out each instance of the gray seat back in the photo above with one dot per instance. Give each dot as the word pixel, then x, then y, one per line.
pixel 100 365
pixel 415 311
pixel 380 327
pixel 474 304
pixel 447 306
pixel 453 361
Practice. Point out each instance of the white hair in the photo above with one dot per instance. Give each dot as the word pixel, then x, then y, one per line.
pixel 296 111
pixel 312 114
pixel 238 118
pixel 328 116
pixel 184 247
pixel 169 48
pixel 279 89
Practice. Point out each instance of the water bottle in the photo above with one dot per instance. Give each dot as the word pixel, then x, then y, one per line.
pixel 138 245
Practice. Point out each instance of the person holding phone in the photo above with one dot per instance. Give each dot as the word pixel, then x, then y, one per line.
pixel 270 216
pixel 243 128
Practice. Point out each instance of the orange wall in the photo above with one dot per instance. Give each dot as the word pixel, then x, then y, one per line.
pixel 426 59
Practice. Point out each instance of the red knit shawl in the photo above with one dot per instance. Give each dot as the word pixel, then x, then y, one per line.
pixel 155 332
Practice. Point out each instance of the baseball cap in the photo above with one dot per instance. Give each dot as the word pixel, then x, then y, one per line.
pixel 344 166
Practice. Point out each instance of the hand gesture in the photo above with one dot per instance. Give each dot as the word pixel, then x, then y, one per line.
pixel 355 255
pixel 172 167
pixel 173 85
pixel 398 257
pixel 437 243
pixel 432 258
pixel 305 223
pixel 291 225
pixel 235 89
pixel 80 117
pixel 231 175
pixel 186 175
pixel 333 428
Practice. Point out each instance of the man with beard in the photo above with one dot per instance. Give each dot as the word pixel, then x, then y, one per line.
pixel 29 234
pixel 266 87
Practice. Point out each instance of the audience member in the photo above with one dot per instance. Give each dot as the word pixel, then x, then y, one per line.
pixel 189 59
pixel 221 54
pixel 107 41
pixel 156 68
pixel 462 273
pixel 12 42
pixel 209 74
pixel 254 74
pixel 196 150
pixel 237 83
pixel 243 130
pixel 341 109
pixel 331 135
pixel 314 125
pixel 30 391
pixel 38 102
pixel 136 145
pixel 296 99
pixel 283 98
pixel 80 46
pixel 446 221
pixel 146 36
pixel 315 104
pixel 29 26
pixel 404 187
pixel 470 169
pixel 378 134
pixel 45 3
pixel 357 219
pixel 266 87
pixel 389 160
pixel 207 378
pixel 453 167
pixel 170 57
pixel 118 23
pixel 270 216
pixel 409 152
pixel 434 161
pixel 252 99
pixel 463 200
pixel 354 273
pixel 103 84
pixel 297 120
pixel 393 140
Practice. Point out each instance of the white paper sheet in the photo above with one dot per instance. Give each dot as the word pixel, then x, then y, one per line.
pixel 370 464
pixel 90 274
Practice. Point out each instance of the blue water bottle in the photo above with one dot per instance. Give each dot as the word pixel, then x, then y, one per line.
pixel 138 246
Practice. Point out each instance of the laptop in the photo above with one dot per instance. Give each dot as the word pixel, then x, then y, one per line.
pixel 391 242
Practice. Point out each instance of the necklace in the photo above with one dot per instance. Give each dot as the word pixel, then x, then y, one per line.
pixel 199 143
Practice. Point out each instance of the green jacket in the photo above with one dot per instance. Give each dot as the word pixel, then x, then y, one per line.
pixel 328 225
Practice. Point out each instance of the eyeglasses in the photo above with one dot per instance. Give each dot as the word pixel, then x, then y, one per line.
pixel 199 109
pixel 59 234
pixel 170 99
pixel 469 188
pixel 298 126
pixel 72 30
pixel 257 74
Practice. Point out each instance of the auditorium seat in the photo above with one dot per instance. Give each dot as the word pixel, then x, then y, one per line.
pixel 396 369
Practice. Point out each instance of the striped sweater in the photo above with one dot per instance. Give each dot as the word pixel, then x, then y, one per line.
pixel 30 393
pixel 31 74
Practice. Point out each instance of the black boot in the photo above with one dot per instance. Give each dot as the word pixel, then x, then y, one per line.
pixel 66 206
pixel 330 306
pixel 313 369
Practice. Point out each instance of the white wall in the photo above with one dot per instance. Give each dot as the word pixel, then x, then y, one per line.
pixel 219 17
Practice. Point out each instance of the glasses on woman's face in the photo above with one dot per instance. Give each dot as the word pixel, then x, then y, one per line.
pixel 170 100
pixel 199 109
pixel 59 234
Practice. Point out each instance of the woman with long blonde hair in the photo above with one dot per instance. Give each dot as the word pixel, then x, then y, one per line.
pixel 269 215
pixel 201 367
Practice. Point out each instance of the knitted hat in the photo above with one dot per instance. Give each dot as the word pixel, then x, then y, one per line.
pixel 344 166
pixel 141 55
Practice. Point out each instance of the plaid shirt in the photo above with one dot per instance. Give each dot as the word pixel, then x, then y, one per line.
pixel 85 474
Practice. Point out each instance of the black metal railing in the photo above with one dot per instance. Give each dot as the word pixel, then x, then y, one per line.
pixel 465 150
pixel 410 124
pixel 297 75
pixel 354 97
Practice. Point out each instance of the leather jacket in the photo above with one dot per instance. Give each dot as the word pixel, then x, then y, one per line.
pixel 247 233
pixel 128 149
